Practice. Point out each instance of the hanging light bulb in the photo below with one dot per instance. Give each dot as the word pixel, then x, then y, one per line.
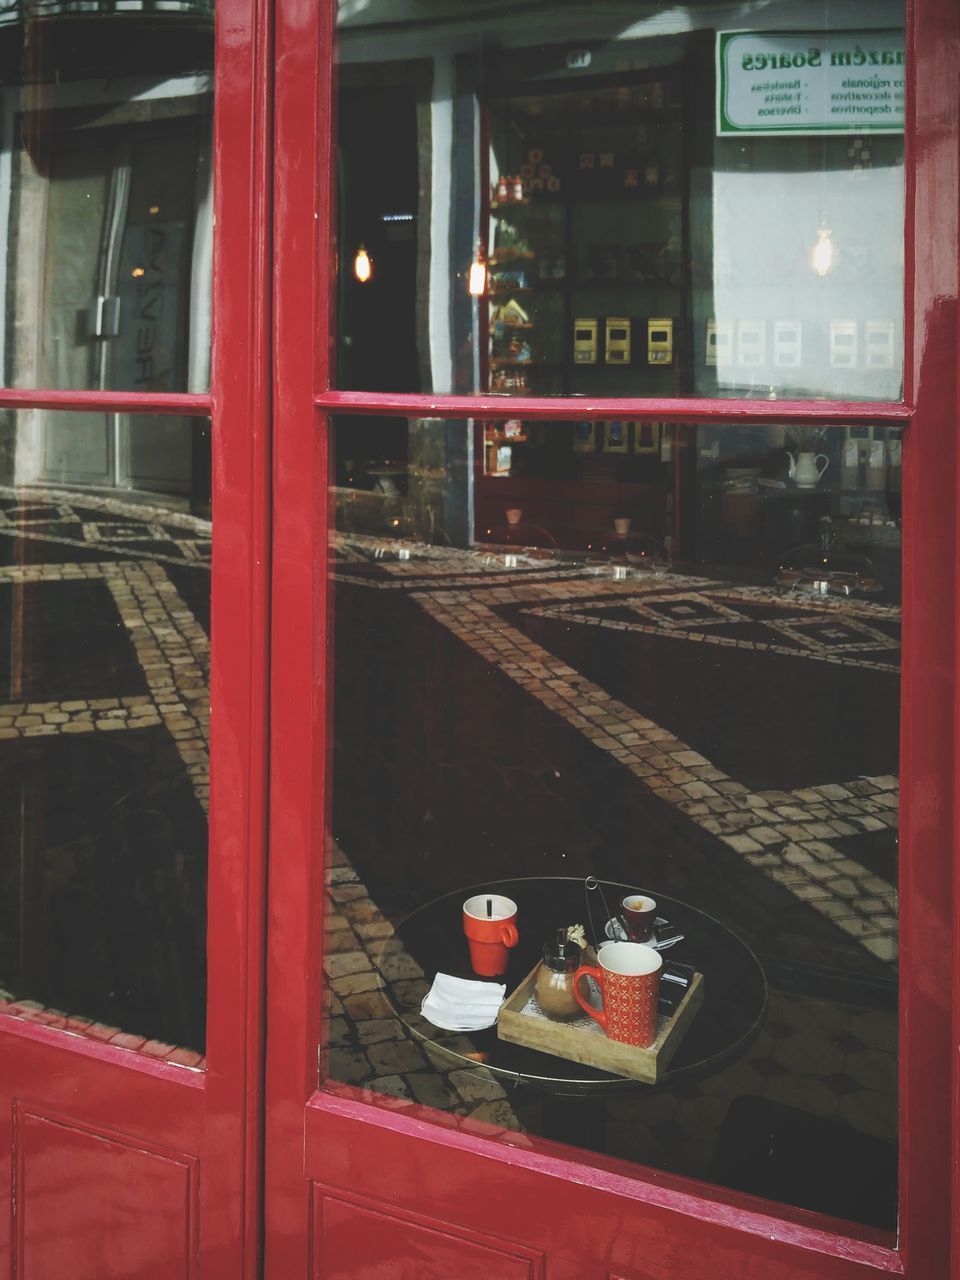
pixel 823 257
pixel 362 265
pixel 477 279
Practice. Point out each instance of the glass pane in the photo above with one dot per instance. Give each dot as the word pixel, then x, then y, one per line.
pixel 666 657
pixel 104 730
pixel 642 202
pixel 105 195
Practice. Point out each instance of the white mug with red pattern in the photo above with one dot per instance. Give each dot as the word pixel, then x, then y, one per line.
pixel 628 975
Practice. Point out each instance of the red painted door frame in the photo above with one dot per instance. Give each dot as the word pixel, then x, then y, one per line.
pixel 188 1141
pixel 372 1165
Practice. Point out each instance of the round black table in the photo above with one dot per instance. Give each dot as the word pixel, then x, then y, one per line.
pixel 735 988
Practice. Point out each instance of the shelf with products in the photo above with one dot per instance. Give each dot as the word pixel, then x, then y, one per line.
pixel 503 257
pixel 584 195
pixel 581 498
pixel 500 437
pixel 586 201
pixel 504 362
pixel 613 220
pixel 628 118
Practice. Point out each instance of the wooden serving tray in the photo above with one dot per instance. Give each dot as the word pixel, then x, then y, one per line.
pixel 582 1039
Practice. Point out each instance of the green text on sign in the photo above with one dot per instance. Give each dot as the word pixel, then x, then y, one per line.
pixel 810 82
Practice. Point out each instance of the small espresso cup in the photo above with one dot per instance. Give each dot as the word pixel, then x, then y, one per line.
pixel 489 921
pixel 638 913
pixel 628 974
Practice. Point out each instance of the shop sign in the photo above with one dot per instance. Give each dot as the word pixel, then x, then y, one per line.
pixel 771 82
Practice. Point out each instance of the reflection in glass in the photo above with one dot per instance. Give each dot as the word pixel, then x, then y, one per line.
pixel 710 725
pixel 635 201
pixel 104 728
pixel 106 224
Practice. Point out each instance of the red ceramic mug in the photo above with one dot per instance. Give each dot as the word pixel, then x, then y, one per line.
pixel 628 974
pixel 489 921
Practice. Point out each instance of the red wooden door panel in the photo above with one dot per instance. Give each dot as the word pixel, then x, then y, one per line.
pixel 367 1241
pixel 142 1221
pixel 582 1227
pixel 100 1152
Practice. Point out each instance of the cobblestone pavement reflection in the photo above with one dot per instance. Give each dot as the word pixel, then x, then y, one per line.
pixel 829 1059
pixel 826 844
pixel 104 750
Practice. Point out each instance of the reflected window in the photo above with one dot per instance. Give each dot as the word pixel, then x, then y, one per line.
pixel 106 217
pixel 105 198
pixel 644 203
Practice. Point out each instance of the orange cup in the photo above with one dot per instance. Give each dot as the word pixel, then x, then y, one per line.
pixel 628 975
pixel 489 921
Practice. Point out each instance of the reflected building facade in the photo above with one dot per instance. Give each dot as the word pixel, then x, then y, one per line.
pixel 106 212
pixel 643 204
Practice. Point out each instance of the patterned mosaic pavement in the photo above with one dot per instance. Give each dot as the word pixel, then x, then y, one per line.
pixel 173 653
pixel 792 836
pixel 133 582
pixel 105 724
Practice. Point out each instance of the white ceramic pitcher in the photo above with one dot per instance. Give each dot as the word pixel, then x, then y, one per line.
pixel 805 468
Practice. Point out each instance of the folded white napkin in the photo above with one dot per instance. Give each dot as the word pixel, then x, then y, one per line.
pixel 457 1004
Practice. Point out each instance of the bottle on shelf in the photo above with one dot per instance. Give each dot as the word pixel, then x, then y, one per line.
pixel 512 380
